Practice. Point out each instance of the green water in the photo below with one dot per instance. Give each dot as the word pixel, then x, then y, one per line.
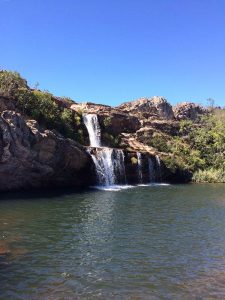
pixel 156 242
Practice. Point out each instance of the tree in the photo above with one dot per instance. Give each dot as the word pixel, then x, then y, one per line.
pixel 211 103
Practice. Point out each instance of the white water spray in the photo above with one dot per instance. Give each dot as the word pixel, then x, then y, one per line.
pixel 94 130
pixel 158 168
pixel 139 165
pixel 109 165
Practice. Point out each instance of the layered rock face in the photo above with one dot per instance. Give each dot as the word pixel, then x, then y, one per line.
pixel 31 157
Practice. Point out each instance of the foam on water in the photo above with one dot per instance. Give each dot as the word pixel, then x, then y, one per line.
pixel 153 184
pixel 113 188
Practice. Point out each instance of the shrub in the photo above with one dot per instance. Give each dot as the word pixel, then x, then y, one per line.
pixel 110 140
pixel 107 122
pixel 159 142
pixel 41 106
pixel 209 175
pixel 134 160
pixel 11 83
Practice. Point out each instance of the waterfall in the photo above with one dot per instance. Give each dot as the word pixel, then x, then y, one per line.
pixel 151 170
pixel 93 128
pixel 158 168
pixel 109 164
pixel 119 166
pixel 139 165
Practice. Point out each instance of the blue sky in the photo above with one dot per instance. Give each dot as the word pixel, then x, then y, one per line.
pixel 111 51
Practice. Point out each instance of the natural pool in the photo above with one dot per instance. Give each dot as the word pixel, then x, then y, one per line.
pixel 146 242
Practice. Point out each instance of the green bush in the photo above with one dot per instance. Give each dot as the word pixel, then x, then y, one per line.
pixel 11 83
pixel 110 140
pixel 159 142
pixel 41 106
pixel 209 175
pixel 107 122
pixel 134 160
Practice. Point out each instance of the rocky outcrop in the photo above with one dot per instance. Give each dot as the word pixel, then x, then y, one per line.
pixel 89 107
pixel 141 105
pixel 188 110
pixel 164 109
pixel 31 157
pixel 112 121
pixel 154 108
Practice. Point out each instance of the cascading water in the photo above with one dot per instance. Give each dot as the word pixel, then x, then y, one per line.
pixel 139 165
pixel 104 159
pixel 158 168
pixel 109 164
pixel 93 128
pixel 119 166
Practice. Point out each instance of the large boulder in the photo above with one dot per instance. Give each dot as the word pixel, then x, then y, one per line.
pixel 31 157
pixel 188 110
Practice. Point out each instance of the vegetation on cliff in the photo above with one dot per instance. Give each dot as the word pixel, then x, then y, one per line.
pixel 198 148
pixel 42 106
pixel 195 146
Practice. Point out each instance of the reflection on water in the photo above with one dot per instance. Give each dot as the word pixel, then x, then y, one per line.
pixel 148 242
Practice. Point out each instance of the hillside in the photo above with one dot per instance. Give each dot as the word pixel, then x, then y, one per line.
pixel 44 138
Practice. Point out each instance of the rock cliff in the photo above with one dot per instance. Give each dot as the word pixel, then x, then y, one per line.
pixel 31 157
pixel 34 150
